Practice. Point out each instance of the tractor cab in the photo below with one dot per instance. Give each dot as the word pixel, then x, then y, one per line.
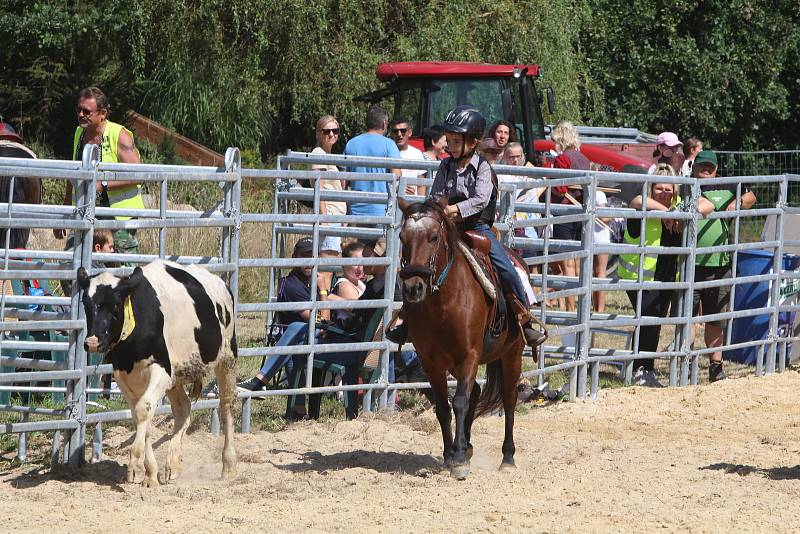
pixel 425 91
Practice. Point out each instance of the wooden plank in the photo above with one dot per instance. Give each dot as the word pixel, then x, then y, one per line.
pixel 190 151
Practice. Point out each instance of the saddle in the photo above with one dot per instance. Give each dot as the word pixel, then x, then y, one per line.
pixel 477 246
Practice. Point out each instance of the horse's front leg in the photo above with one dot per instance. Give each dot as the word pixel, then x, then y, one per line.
pixel 461 402
pixel 438 381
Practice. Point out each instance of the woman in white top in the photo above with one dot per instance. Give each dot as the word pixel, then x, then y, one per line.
pixel 327 134
pixel 351 285
pixel 602 236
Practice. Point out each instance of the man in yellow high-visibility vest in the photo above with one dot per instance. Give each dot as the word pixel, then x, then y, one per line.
pixel 116 146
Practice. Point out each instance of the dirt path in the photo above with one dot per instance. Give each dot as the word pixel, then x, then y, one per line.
pixel 711 458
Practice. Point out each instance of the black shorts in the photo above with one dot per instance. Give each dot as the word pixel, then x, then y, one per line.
pixel 713 299
pixel 568 231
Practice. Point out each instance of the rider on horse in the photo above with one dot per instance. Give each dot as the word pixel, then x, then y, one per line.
pixel 470 185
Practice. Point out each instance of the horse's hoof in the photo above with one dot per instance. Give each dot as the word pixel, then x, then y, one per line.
pixel 459 472
pixel 507 467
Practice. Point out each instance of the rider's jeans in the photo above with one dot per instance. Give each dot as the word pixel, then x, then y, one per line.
pixel 507 272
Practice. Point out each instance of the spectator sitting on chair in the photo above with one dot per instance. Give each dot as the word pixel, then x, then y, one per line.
pixel 296 287
pixel 405 366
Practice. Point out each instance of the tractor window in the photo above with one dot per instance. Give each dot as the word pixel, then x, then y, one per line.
pixel 485 94
pixel 407 104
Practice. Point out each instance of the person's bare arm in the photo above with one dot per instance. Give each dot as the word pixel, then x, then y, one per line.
pixel 127 153
pixel 705 206
pixel 652 204
pixel 61 233
pixel 748 199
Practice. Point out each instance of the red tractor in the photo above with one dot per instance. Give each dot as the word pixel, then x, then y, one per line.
pixel 425 91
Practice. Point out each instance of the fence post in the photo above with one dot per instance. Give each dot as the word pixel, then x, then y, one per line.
pixel 392 253
pixel 777 266
pixel 246 415
pixel 690 239
pixel 97 443
pixel 22 448
pixel 584 336
pixel 76 389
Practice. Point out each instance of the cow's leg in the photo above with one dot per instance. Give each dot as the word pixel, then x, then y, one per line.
pixel 132 398
pixel 181 408
pixel 145 468
pixel 225 371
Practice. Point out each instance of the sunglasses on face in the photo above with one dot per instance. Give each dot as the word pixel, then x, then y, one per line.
pixel 84 111
pixel 330 131
pixel 401 131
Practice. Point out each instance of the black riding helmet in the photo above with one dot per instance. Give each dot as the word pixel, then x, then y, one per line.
pixel 467 120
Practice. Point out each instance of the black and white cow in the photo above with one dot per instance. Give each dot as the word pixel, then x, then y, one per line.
pixel 162 328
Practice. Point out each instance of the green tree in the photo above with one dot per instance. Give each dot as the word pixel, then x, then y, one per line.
pixel 724 71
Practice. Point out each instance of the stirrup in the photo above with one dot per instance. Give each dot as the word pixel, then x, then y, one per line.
pixel 533 338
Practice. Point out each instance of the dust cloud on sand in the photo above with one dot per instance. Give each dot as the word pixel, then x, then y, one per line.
pixel 722 457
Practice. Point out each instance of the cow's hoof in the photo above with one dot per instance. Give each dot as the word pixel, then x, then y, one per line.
pixel 168 475
pixel 137 476
pixel 459 472
pixel 150 482
pixel 507 466
pixel 228 473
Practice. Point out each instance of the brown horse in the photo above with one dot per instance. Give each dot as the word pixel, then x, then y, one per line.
pixel 448 314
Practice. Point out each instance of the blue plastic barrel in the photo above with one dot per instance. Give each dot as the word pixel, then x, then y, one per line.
pixel 752 296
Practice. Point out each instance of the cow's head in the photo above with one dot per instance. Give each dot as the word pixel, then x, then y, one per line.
pixel 104 301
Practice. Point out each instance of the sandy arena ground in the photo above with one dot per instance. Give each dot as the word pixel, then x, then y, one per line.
pixel 717 458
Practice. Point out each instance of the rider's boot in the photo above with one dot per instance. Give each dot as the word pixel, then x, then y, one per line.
pixel 525 318
pixel 399 332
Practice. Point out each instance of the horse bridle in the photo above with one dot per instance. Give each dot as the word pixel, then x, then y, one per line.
pixel 429 271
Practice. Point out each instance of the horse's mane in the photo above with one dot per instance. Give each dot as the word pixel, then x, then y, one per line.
pixel 430 205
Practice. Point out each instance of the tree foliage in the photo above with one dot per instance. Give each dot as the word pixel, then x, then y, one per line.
pixel 723 70
pixel 258 73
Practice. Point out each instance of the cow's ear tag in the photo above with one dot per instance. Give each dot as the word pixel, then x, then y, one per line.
pixel 129 323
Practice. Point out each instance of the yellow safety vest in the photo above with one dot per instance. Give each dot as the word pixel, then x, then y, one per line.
pixel 628 268
pixel 129 197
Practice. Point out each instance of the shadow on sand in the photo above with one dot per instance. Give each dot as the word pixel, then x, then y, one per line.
pixel 772 473
pixel 381 462
pixel 107 473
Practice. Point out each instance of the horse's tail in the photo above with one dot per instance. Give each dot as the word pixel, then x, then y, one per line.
pixel 492 392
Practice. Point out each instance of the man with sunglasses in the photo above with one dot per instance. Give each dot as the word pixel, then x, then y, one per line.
pixel 116 146
pixel 401 131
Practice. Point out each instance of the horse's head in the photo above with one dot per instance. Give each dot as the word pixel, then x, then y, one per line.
pixel 424 234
